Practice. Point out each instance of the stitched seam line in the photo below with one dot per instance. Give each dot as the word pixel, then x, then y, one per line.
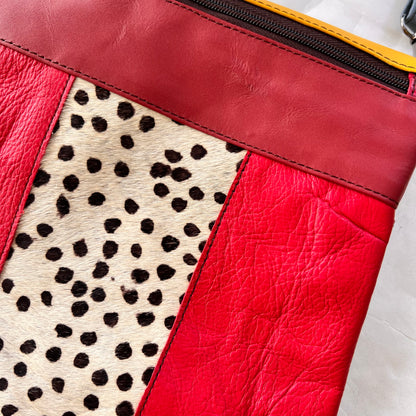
pixel 293 52
pixel 335 33
pixel 143 100
pixel 22 198
pixel 222 215
pixel 250 146
pixel 313 60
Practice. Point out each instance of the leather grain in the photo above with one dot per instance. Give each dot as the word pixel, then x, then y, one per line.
pixel 230 83
pixel 390 55
pixel 271 318
pixel 31 97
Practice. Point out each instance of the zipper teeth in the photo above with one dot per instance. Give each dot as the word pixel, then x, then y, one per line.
pixel 294 35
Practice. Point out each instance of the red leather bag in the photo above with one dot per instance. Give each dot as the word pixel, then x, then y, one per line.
pixel 195 201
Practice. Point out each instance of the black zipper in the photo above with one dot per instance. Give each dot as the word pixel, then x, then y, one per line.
pixel 383 73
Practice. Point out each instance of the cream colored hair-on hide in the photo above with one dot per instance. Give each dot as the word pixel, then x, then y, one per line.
pixel 116 221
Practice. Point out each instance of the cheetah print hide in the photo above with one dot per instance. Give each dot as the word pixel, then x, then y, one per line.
pixel 113 228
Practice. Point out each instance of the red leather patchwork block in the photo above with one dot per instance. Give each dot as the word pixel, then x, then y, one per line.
pixel 261 305
pixel 213 76
pixel 270 321
pixel 32 96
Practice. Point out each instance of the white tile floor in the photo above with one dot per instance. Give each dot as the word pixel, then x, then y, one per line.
pixel 382 378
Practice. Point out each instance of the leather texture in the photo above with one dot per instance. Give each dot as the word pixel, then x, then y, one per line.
pixel 270 320
pixel 391 56
pixel 270 106
pixel 32 95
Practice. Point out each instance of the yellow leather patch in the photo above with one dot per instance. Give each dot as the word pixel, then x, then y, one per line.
pixel 390 56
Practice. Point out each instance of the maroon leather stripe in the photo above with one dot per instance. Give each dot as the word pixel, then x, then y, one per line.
pixel 230 83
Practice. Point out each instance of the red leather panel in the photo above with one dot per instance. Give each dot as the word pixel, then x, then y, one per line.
pixel 32 95
pixel 271 318
pixel 230 83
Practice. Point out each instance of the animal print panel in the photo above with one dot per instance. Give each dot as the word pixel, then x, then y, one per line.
pixel 118 215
